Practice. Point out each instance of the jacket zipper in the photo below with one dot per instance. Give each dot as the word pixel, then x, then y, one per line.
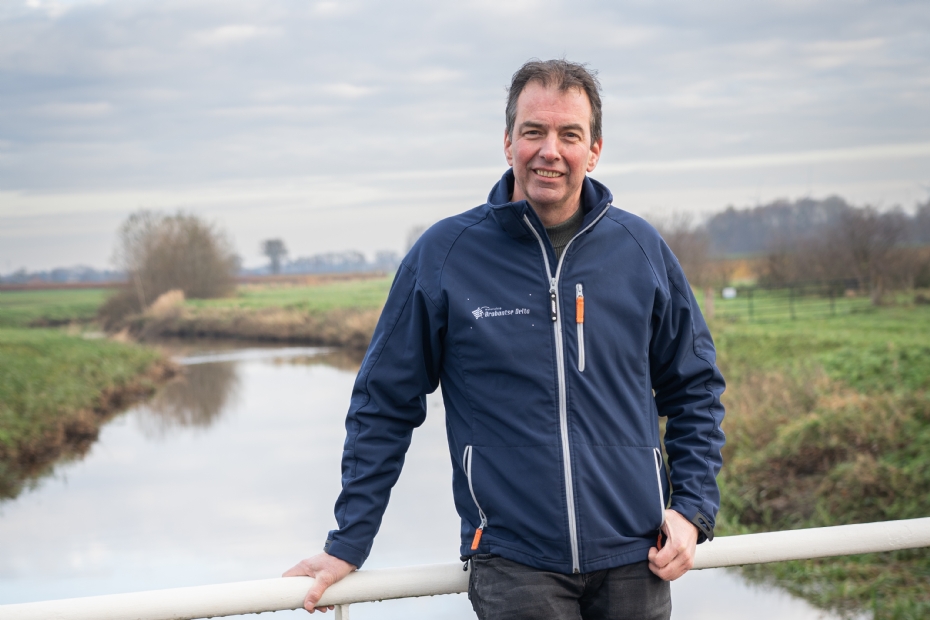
pixel 579 324
pixel 659 472
pixel 555 315
pixel 466 465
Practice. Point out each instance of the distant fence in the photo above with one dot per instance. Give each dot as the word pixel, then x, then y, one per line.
pixel 761 304
pixel 248 597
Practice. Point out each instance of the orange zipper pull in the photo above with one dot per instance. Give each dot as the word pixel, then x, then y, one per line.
pixel 477 539
pixel 579 304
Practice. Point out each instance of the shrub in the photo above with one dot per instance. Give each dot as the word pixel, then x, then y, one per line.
pixel 161 253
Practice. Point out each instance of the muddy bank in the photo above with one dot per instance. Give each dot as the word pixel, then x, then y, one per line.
pixel 71 434
pixel 348 328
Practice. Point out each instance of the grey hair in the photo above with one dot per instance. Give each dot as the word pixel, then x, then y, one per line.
pixel 563 74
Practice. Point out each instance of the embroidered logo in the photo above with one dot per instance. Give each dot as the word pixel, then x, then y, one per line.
pixel 485 312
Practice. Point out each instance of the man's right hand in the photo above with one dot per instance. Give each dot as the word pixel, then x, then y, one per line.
pixel 325 570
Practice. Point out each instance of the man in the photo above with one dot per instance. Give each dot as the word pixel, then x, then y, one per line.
pixel 560 329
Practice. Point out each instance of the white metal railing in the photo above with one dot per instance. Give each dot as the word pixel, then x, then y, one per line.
pixel 377 585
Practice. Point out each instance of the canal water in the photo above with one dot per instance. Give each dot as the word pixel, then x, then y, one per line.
pixel 231 475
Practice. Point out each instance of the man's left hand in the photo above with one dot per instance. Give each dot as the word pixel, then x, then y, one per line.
pixel 677 554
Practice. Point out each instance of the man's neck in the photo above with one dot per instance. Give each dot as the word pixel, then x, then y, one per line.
pixel 550 215
pixel 553 216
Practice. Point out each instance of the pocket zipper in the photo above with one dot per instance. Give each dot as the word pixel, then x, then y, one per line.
pixel 466 465
pixel 659 470
pixel 579 324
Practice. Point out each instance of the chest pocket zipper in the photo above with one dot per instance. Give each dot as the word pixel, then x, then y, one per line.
pixel 466 465
pixel 579 324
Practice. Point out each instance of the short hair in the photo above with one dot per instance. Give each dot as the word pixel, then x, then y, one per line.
pixel 561 73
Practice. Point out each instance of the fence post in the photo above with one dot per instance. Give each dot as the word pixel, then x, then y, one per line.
pixel 709 303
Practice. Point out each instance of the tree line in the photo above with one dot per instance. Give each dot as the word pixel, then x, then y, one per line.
pixel 808 240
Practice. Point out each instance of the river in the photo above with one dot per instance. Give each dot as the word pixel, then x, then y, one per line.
pixel 231 475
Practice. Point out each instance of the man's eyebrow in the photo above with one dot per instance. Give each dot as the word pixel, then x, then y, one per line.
pixel 538 125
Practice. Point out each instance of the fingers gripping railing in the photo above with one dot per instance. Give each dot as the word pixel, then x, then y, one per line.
pixel 376 585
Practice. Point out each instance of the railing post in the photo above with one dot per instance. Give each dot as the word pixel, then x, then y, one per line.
pixel 342 612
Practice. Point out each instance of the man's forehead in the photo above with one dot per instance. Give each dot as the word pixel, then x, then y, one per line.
pixel 536 88
pixel 539 100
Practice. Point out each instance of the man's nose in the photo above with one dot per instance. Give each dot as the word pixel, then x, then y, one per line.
pixel 549 149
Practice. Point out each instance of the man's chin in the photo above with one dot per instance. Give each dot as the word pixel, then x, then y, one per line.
pixel 546 199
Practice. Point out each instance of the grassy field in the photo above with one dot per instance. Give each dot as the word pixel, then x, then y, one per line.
pixel 828 423
pixel 56 387
pixel 47 308
pixel 360 294
pixel 332 313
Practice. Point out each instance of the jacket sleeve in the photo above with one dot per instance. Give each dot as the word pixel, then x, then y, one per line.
pixel 687 387
pixel 388 402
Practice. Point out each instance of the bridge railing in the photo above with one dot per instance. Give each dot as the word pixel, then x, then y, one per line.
pixel 429 580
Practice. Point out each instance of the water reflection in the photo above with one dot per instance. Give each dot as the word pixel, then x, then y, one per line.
pixel 343 359
pixel 196 399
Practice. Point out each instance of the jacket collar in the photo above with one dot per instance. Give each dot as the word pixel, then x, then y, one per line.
pixel 595 197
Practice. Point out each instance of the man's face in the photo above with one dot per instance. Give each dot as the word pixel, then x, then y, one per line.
pixel 550 149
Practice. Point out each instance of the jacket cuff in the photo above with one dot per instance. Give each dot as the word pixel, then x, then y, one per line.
pixel 700 520
pixel 344 552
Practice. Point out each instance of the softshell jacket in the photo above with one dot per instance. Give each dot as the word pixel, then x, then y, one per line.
pixel 554 375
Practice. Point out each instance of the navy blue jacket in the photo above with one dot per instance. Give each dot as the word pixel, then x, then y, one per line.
pixel 552 420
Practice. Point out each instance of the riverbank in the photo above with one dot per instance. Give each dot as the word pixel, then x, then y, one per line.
pixel 326 312
pixel 57 390
pixel 828 423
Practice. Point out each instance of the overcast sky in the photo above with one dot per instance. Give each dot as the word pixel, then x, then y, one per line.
pixel 340 125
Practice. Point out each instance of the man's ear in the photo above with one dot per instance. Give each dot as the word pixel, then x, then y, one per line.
pixel 508 148
pixel 594 155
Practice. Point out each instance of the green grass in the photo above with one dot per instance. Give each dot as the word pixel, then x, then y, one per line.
pixel 828 423
pixel 361 294
pixel 31 308
pixel 48 381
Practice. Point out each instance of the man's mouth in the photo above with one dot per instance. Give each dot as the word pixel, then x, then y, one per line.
pixel 549 174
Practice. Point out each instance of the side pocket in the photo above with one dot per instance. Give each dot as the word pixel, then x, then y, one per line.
pixel 579 324
pixel 660 470
pixel 466 465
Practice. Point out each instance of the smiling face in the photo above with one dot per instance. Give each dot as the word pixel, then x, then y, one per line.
pixel 550 150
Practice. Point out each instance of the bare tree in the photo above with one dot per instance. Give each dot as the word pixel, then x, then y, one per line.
pixel 160 253
pixel 922 224
pixel 866 239
pixel 690 244
pixel 275 250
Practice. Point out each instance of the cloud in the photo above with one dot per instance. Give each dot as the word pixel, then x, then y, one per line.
pixel 833 54
pixel 231 33
pixel 346 90
pixel 131 98
pixel 75 110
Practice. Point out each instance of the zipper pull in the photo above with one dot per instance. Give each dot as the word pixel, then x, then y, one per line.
pixel 554 300
pixel 579 304
pixel 477 539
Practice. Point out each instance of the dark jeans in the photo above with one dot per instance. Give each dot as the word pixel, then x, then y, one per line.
pixel 499 588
